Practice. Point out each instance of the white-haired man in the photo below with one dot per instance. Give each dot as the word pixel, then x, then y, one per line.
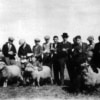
pixel 24 49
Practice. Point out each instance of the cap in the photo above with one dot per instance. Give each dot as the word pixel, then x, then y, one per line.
pixel 47 37
pixel 90 38
pixel 11 39
pixel 37 40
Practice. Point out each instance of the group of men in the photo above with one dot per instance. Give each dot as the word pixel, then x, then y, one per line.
pixel 57 55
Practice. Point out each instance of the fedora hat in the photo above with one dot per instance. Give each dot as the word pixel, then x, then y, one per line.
pixel 65 35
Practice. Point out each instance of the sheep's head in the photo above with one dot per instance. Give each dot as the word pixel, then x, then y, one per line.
pixel 29 67
pixel 85 66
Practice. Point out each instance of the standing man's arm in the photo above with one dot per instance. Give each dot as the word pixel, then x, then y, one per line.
pixel 5 50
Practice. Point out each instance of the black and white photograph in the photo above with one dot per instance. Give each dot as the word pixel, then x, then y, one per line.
pixel 49 49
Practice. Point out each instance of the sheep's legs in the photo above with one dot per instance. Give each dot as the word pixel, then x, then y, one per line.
pixel 51 81
pixel 38 82
pixel 5 83
pixel 20 80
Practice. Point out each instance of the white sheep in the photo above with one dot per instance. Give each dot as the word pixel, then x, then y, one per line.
pixel 36 74
pixel 10 71
pixel 91 78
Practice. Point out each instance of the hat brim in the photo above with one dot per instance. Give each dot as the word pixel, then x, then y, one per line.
pixel 66 36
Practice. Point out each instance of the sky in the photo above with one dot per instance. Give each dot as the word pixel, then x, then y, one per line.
pixel 30 19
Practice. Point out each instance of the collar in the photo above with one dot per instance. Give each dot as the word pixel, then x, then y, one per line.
pixel 65 42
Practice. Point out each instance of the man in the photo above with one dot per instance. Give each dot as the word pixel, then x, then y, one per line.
pixel 55 61
pixel 96 56
pixel 79 56
pixel 91 44
pixel 9 51
pixel 24 49
pixel 74 43
pixel 37 52
pixel 64 49
pixel 23 52
pixel 80 47
pixel 47 51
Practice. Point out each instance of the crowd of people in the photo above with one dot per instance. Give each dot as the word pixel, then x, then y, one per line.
pixel 57 55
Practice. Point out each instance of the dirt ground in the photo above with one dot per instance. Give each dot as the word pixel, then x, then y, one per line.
pixel 46 92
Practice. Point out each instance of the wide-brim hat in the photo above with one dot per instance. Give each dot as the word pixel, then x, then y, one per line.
pixel 65 35
pixel 37 40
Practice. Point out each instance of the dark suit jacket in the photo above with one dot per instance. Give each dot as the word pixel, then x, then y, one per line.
pixel 55 52
pixel 80 49
pixel 5 51
pixel 79 53
pixel 23 51
pixel 61 46
pixel 96 56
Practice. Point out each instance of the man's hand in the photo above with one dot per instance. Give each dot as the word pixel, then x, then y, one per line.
pixel 23 57
pixel 46 51
pixel 65 50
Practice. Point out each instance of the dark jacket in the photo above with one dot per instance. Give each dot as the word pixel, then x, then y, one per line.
pixel 79 53
pixel 54 51
pixel 61 46
pixel 79 56
pixel 5 50
pixel 80 49
pixel 96 56
pixel 23 51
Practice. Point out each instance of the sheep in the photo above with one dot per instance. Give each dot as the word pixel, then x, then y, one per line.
pixel 10 71
pixel 37 75
pixel 91 78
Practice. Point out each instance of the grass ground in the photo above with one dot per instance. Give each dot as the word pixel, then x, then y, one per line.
pixel 44 93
